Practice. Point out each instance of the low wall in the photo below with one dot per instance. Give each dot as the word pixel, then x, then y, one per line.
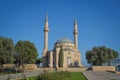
pixel 30 66
pixel 62 69
pixel 8 66
pixel 72 69
pixel 118 72
pixel 26 67
pixel 46 69
pixel 103 68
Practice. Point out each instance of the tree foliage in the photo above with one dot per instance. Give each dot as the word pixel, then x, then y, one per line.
pixel 25 52
pixel 60 62
pixel 100 55
pixel 6 50
pixel 39 60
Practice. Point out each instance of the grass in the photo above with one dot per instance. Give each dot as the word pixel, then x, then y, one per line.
pixel 76 76
pixel 58 76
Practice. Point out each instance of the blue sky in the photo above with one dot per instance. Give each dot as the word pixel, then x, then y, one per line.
pixel 98 22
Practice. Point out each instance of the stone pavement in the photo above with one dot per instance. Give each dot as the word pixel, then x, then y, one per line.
pixel 90 75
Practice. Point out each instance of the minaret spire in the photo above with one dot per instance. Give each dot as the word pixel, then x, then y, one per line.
pixel 46 18
pixel 75 26
pixel 75 21
pixel 75 32
pixel 46 29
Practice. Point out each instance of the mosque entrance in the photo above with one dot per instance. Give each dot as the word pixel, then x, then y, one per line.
pixel 69 61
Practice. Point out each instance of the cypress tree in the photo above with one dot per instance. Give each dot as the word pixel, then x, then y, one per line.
pixel 60 62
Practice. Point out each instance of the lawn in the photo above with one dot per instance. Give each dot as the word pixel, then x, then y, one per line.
pixel 59 76
pixel 76 76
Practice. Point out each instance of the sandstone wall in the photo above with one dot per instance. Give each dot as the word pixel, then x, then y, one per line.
pixel 30 66
pixel 117 72
pixel 72 69
pixel 103 68
pixel 26 67
pixel 62 69
pixel 8 66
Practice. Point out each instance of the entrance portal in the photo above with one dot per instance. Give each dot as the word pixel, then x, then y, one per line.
pixel 69 61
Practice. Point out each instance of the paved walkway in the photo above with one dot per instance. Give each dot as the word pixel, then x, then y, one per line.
pixel 101 75
pixel 20 75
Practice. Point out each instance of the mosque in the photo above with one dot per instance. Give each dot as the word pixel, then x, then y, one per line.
pixel 71 54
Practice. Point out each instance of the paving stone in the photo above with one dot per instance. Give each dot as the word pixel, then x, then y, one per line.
pixel 90 75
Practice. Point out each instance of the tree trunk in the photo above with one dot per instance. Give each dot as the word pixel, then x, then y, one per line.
pixel 108 63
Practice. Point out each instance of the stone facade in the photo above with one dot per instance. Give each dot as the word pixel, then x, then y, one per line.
pixel 71 54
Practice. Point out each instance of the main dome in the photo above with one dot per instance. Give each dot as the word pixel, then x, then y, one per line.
pixel 64 40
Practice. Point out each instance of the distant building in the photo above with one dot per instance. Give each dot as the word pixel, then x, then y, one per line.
pixel 72 56
pixel 115 62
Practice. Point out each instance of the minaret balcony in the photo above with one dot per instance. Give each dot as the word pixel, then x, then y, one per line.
pixel 75 32
pixel 46 29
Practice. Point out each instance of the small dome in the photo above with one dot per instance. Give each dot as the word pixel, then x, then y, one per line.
pixel 64 40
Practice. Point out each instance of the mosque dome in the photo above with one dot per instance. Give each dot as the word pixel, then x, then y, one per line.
pixel 64 40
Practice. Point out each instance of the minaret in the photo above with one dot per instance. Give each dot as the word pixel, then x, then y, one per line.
pixel 75 32
pixel 46 29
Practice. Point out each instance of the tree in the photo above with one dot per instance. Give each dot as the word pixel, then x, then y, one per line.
pixel 6 50
pixel 39 60
pixel 100 55
pixel 111 55
pixel 25 52
pixel 60 62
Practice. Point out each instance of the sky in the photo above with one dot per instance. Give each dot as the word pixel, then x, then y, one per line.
pixel 98 22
